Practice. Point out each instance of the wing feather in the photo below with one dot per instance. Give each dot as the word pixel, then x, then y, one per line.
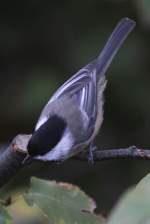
pixel 77 85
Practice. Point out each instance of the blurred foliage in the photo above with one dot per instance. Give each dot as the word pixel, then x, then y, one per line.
pixel 134 206
pixel 21 213
pixel 63 203
pixel 42 43
pixel 5 218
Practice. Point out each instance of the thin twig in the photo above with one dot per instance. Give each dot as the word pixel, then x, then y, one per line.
pixel 13 158
pixel 107 154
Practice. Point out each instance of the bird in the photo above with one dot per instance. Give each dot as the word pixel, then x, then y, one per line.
pixel 72 118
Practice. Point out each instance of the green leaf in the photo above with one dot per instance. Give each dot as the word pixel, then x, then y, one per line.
pixel 22 213
pixel 5 218
pixel 134 206
pixel 62 203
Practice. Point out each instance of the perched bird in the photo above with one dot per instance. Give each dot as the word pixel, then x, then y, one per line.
pixel 73 116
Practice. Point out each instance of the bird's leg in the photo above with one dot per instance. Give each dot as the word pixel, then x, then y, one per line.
pixel 90 154
pixel 27 159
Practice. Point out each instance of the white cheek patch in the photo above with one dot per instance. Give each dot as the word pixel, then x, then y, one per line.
pixel 62 150
pixel 40 122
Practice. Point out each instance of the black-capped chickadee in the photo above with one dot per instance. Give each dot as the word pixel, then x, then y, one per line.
pixel 73 116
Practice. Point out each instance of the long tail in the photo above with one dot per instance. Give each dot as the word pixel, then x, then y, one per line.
pixel 120 33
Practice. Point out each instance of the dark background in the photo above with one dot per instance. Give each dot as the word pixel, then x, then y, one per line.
pixel 42 43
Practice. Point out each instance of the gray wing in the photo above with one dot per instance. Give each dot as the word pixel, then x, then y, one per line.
pixel 86 84
pixel 93 90
pixel 72 85
pixel 99 68
pixel 76 86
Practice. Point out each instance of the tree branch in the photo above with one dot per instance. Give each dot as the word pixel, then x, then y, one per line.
pixel 106 154
pixel 13 158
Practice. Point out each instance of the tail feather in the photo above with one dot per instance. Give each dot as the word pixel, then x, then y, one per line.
pixel 120 33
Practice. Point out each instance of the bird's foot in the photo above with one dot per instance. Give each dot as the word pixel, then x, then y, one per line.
pixel 90 154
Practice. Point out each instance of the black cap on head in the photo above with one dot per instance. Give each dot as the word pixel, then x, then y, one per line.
pixel 47 136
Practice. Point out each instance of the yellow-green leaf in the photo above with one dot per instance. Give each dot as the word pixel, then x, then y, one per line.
pixel 63 203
